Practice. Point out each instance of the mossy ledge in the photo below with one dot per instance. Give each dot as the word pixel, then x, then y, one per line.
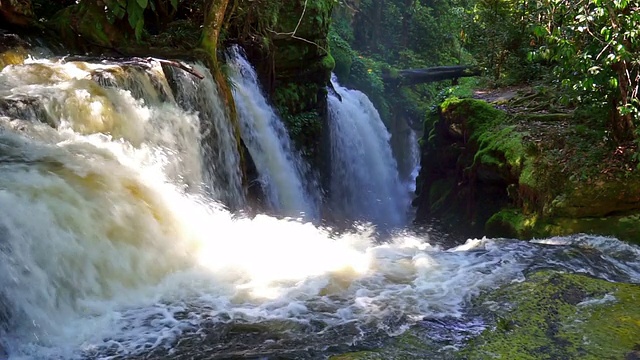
pixel 555 315
pixel 524 175
pixel 550 315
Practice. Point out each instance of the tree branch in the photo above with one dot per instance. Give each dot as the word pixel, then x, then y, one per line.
pixel 293 35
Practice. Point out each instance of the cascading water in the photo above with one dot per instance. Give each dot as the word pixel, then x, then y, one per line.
pixel 221 159
pixel 281 170
pixel 364 177
pixel 414 147
pixel 109 250
pixel 214 148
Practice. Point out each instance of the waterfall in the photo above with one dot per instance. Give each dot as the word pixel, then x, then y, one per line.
pixel 221 159
pixel 414 148
pixel 213 149
pixel 111 247
pixel 281 169
pixel 364 177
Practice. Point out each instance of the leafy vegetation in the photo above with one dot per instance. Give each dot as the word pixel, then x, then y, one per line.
pixel 588 49
pixel 374 38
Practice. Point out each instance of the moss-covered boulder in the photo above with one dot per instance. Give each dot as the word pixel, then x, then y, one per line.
pixel 550 315
pixel 517 174
pixel 469 159
pixel 555 315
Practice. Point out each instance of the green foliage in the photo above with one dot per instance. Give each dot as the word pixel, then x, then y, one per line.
pixel 341 52
pixel 305 129
pixel 303 123
pixel 366 75
pixel 589 49
pixel 396 34
pixel 598 55
pixel 497 34
pixel 134 11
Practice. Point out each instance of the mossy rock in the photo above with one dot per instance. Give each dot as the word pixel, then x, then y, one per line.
pixel 12 57
pixel 513 223
pixel 549 179
pixel 407 346
pixel 556 315
pixel 342 53
pixel 599 196
pixel 551 315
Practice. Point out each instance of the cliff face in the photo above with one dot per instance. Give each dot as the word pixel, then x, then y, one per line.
pixel 501 172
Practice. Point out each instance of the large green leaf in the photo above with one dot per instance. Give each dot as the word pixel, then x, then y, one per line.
pixel 135 15
pixel 143 3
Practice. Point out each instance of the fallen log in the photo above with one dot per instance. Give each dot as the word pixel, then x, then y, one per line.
pixel 427 75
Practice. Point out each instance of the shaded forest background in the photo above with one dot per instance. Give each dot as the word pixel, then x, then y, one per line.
pixel 587 51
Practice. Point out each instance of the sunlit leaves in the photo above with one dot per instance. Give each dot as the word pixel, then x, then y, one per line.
pixel 604 38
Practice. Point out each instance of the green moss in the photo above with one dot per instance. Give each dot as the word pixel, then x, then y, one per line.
pixel 513 223
pixel 342 53
pixel 359 355
pixel 510 223
pixel 560 316
pixel 439 193
pixel 505 141
pixel 305 130
pixel 328 63
pixel 407 346
pixel 480 115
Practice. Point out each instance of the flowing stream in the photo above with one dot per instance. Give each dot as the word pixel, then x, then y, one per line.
pixel 113 246
pixel 281 170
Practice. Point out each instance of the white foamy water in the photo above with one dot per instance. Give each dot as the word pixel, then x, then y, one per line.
pixel 281 170
pixel 365 184
pixel 414 148
pixel 107 246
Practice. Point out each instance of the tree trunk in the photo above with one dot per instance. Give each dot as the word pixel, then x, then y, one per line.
pixel 213 21
pixel 622 124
